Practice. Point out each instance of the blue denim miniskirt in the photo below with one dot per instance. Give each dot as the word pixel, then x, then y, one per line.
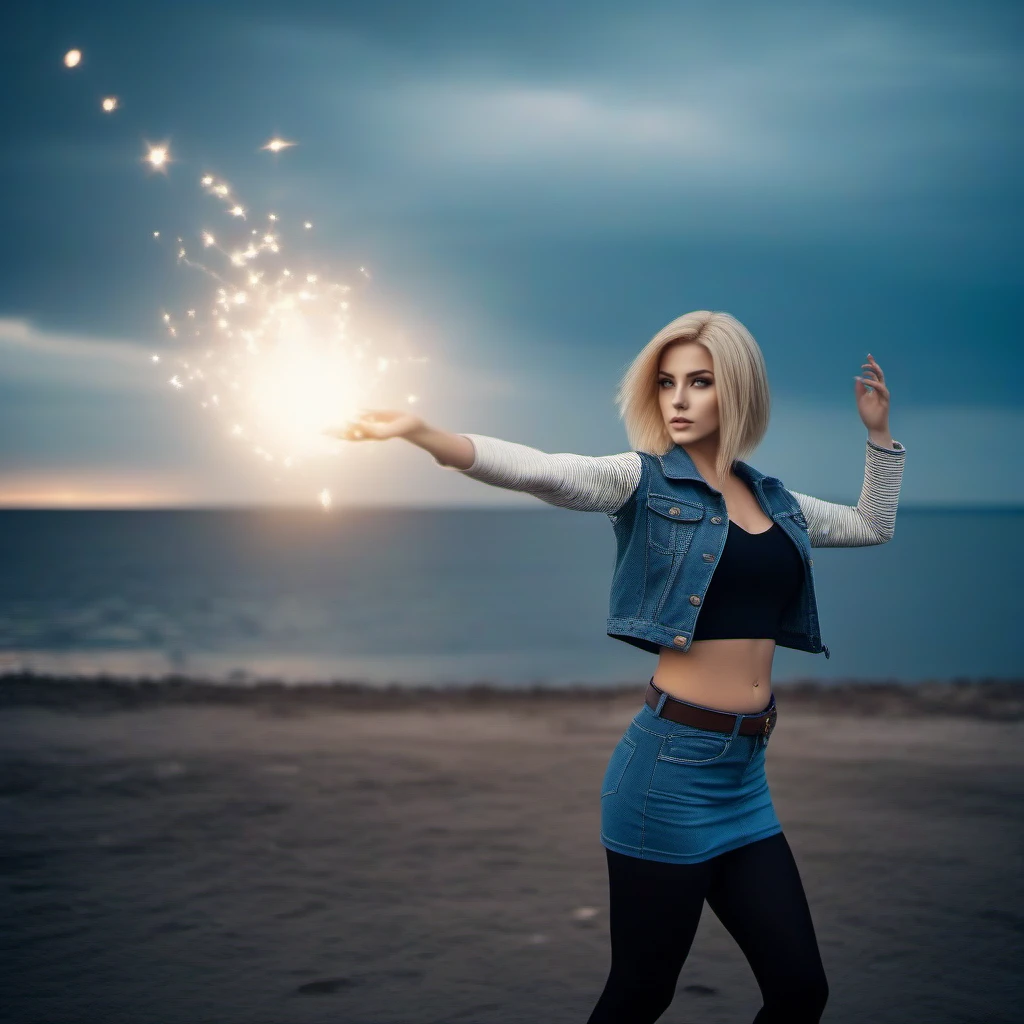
pixel 682 794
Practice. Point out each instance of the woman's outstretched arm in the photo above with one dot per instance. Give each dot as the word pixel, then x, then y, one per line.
pixel 584 483
pixel 873 519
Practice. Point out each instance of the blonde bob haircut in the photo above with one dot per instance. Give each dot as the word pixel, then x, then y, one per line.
pixel 741 383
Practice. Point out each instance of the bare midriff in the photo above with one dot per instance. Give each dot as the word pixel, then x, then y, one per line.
pixel 728 675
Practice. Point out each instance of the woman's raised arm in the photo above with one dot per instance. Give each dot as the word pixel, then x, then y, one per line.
pixel 873 519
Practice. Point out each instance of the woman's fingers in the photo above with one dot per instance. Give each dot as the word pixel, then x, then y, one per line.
pixel 373 424
pixel 349 431
pixel 873 376
pixel 872 364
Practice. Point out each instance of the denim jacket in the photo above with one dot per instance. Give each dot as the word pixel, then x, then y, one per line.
pixel 670 536
pixel 671 527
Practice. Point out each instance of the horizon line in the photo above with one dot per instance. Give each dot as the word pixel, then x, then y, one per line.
pixel 518 506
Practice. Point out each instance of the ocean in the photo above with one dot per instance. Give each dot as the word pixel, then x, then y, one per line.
pixel 431 596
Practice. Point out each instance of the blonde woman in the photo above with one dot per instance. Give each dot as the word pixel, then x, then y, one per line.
pixel 713 572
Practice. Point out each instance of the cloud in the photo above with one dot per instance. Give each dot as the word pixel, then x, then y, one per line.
pixel 796 124
pixel 30 355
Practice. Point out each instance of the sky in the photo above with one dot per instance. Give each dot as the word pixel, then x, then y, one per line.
pixel 536 190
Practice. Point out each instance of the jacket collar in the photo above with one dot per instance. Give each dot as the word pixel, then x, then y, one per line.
pixel 677 465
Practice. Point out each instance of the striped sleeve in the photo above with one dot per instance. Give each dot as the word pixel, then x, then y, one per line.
pixel 584 483
pixel 873 519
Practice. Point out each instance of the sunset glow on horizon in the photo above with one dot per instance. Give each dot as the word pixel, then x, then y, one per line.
pixel 71 494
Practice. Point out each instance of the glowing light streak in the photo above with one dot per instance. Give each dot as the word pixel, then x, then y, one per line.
pixel 276 145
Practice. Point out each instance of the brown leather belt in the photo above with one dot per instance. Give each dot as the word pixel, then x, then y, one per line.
pixel 704 718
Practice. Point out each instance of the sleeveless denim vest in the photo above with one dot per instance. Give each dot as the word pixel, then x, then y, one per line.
pixel 670 536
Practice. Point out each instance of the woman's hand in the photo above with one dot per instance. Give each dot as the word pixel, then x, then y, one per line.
pixel 873 403
pixel 376 425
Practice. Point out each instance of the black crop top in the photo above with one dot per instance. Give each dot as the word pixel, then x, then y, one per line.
pixel 757 576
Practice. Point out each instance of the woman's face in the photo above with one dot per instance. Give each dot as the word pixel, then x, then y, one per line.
pixel 686 387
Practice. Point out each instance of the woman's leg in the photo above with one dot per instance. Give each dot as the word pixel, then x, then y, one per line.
pixel 756 892
pixel 654 911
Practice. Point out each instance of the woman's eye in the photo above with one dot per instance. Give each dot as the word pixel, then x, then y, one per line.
pixel 697 380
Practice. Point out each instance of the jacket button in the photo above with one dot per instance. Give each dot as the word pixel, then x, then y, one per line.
pixel 708 557
pixel 673 511
pixel 679 641
pixel 716 519
pixel 810 561
pixel 695 599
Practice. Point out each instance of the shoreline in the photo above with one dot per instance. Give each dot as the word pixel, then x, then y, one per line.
pixel 974 698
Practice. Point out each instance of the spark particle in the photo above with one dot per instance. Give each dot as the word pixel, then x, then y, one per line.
pixel 307 225
pixel 276 145
pixel 157 156
pixel 72 58
pixel 325 498
pixel 237 211
pixel 110 103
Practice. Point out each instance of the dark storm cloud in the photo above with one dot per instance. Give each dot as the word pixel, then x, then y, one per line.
pixel 538 187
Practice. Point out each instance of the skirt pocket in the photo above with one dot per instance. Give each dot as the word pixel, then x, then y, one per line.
pixel 695 746
pixel 617 765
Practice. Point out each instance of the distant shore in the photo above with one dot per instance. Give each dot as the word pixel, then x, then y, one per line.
pixel 977 698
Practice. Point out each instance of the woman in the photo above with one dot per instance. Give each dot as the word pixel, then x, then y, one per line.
pixel 712 573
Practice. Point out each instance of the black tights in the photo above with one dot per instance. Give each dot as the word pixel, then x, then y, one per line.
pixel 756 893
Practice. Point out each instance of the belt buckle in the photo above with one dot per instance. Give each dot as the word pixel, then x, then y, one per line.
pixel 769 722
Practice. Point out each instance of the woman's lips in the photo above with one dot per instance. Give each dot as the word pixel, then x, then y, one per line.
pixel 682 423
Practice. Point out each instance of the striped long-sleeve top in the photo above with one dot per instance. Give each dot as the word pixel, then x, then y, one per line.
pixel 604 483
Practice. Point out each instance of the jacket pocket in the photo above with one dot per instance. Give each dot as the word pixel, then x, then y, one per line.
pixel 671 523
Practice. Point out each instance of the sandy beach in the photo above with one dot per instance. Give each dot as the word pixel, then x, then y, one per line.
pixel 185 853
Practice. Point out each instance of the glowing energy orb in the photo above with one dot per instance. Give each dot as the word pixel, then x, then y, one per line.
pixel 270 347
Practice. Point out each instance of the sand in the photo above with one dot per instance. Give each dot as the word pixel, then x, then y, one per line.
pixel 175 853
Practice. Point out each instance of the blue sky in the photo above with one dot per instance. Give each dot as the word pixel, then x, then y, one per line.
pixel 537 189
